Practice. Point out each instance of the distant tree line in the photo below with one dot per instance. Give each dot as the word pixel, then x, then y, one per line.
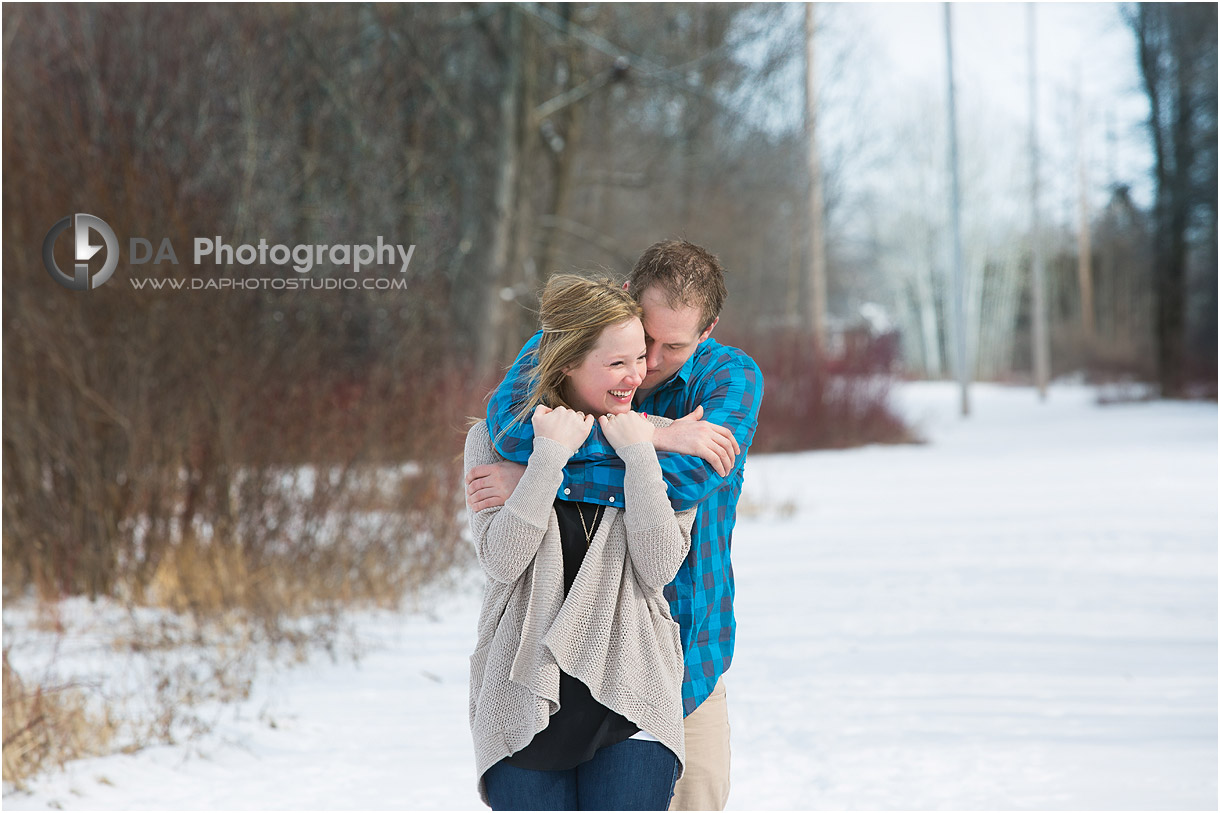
pixel 1177 60
pixel 505 141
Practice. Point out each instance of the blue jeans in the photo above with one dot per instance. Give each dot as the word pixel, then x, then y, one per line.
pixel 630 775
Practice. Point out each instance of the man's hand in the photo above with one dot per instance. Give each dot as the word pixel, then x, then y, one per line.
pixel 566 426
pixel 626 429
pixel 490 485
pixel 695 436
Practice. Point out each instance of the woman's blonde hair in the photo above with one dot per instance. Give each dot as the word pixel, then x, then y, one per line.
pixel 574 312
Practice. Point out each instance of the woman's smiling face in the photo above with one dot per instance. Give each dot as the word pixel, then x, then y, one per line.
pixel 605 382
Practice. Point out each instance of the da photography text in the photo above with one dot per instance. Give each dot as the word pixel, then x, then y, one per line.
pixel 303 257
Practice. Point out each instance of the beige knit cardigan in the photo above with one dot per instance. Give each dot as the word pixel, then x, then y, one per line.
pixel 613 632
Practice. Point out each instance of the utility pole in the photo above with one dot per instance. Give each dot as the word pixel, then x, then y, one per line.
pixel 955 203
pixel 817 238
pixel 1042 354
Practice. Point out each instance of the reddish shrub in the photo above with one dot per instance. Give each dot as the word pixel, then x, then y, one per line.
pixel 827 403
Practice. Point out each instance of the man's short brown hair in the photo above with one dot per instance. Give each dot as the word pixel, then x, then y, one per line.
pixel 688 275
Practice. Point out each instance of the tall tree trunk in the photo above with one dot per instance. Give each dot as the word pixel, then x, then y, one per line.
pixel 961 355
pixel 1172 300
pixel 491 327
pixel 567 121
pixel 1041 337
pixel 817 239
pixel 522 280
pixel 1084 243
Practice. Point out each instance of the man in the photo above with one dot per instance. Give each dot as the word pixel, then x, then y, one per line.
pixel 713 392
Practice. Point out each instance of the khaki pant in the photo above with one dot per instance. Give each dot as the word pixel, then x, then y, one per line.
pixel 705 782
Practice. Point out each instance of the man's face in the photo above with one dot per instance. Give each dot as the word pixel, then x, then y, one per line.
pixel 671 336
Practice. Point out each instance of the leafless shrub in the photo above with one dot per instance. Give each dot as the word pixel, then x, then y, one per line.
pixel 811 403
pixel 47 726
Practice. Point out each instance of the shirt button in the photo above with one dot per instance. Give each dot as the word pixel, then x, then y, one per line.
pixel 611 499
pixel 567 491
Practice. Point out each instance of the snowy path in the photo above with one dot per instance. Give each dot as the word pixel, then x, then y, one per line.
pixel 1021 614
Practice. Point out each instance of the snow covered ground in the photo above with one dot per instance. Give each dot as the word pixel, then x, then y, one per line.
pixel 1020 614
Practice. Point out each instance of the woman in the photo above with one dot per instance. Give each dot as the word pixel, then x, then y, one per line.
pixel 575 682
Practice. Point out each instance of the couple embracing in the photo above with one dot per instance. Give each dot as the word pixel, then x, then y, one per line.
pixel 603 488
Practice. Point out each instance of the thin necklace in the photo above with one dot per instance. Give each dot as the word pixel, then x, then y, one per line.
pixel 581 514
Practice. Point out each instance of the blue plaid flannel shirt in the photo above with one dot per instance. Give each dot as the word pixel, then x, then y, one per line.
pixel 729 386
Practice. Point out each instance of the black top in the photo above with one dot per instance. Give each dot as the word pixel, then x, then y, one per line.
pixel 582 725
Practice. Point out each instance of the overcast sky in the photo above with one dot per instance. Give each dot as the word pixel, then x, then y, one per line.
pixel 880 64
pixel 1077 45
